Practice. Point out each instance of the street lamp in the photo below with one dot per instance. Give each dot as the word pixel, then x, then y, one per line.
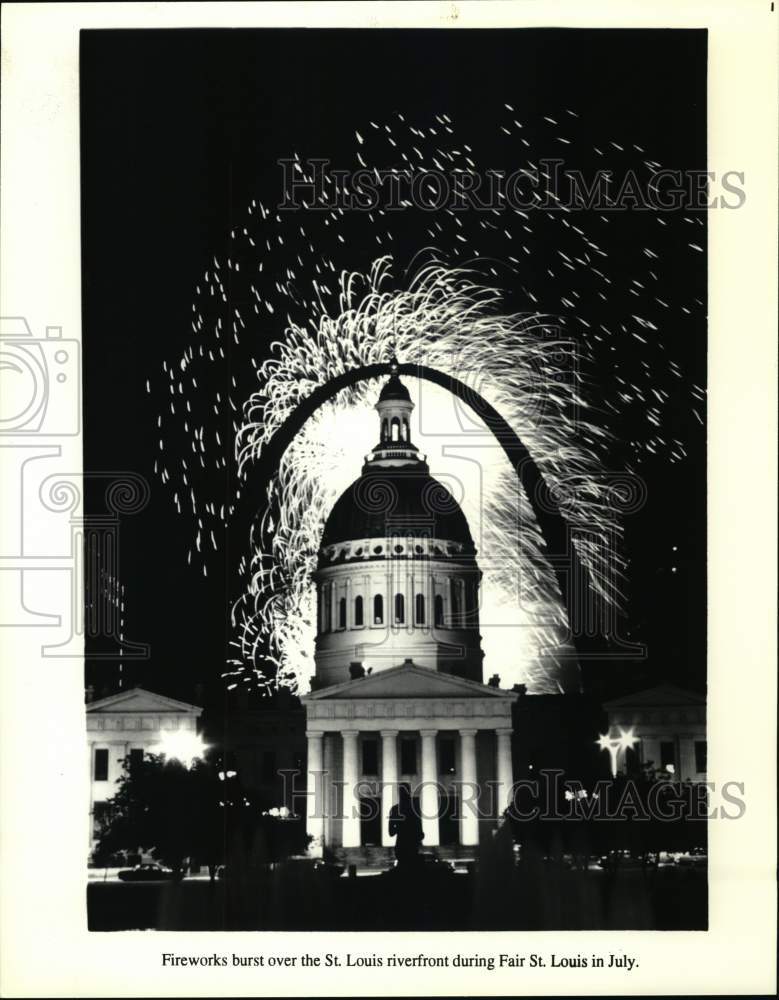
pixel 614 744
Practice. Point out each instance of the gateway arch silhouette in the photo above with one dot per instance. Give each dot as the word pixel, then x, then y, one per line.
pixel 573 580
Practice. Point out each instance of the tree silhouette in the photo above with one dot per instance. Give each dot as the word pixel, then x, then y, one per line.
pixel 198 813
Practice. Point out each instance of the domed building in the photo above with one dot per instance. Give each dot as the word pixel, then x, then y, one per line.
pixel 398 694
pixel 397 576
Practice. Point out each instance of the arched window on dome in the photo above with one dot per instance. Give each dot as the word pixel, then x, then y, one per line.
pixel 454 597
pixel 419 609
pixel 395 425
pixel 384 430
pixel 358 612
pixel 400 609
pixel 404 430
pixel 473 603
pixel 342 612
pixel 439 610
pixel 378 610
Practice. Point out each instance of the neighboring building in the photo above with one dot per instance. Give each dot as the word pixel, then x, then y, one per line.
pixel 558 732
pixel 264 742
pixel 133 722
pixel 398 694
pixel 668 726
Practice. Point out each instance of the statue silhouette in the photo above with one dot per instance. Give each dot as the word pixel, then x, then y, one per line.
pixel 406 826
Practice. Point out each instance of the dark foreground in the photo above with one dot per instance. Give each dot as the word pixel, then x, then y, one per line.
pixel 297 898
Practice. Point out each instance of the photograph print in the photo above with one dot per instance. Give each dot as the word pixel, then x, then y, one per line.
pixel 395 354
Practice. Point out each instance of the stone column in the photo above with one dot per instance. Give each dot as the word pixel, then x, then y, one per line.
pixel 331 790
pixel 389 781
pixel 350 836
pixel 469 821
pixel 428 798
pixel 686 758
pixel 315 797
pixel 504 769
pixel 650 750
pixel 410 595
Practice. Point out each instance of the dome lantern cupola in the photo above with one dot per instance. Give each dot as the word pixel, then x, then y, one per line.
pixel 395 447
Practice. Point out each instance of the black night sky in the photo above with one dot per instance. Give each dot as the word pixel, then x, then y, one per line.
pixel 181 129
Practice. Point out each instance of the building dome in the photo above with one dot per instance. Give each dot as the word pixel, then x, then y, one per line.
pixel 396 577
pixel 393 389
pixel 397 500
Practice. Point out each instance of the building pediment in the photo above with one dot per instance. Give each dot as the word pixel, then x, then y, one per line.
pixel 141 700
pixel 662 696
pixel 409 681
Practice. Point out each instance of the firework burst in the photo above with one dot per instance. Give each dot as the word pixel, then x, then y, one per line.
pixel 451 314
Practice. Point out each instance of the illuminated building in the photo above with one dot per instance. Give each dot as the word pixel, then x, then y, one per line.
pixel 398 696
pixel 666 727
pixel 127 725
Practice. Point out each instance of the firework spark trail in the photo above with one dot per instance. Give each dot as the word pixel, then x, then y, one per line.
pixel 443 318
pixel 451 312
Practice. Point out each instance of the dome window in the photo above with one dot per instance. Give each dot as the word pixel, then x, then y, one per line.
pixel 378 610
pixel 399 549
pixel 400 609
pixel 455 600
pixel 419 609
pixel 378 549
pixel 419 550
pixel 358 552
pixel 395 425
pixel 324 605
pixel 358 611
pixel 439 610
pixel 342 612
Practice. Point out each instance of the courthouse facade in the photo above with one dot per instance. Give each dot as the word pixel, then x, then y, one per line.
pixel 398 696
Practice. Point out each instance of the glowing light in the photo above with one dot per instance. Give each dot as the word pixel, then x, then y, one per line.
pixel 278 812
pixel 624 741
pixel 183 746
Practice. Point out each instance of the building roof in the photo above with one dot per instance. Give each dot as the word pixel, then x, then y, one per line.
pixel 660 696
pixel 399 501
pixel 140 700
pixel 394 389
pixel 409 681
pixel 396 495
